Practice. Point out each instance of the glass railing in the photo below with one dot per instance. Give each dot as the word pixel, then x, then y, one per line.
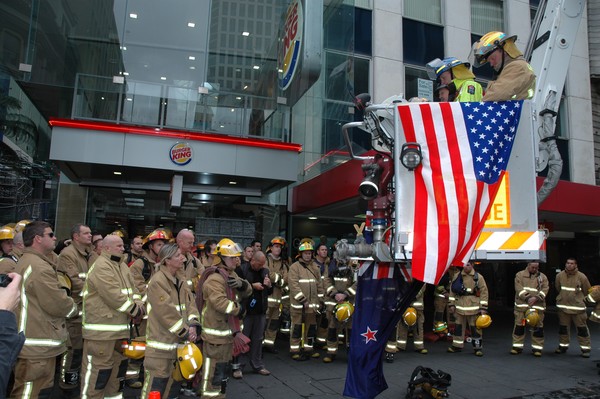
pixel 202 109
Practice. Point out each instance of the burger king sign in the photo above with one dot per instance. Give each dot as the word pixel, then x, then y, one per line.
pixel 181 154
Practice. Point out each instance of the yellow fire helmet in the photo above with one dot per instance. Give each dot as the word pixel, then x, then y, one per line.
pixel 532 317
pixel 64 281
pixel 483 321
pixel 7 233
pixel 306 246
pixel 134 349
pixel 226 247
pixel 20 226
pixel 119 233
pixel 189 361
pixel 440 327
pixel 410 316
pixel 278 240
pixel 343 311
pixel 491 41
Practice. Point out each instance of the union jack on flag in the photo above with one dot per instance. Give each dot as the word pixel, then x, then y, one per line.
pixel 466 148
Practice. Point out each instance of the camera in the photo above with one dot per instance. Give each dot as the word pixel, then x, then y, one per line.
pixel 5 280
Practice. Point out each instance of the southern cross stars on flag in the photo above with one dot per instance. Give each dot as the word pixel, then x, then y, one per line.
pixel 466 148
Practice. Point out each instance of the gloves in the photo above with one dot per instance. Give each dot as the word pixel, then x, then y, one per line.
pixel 237 283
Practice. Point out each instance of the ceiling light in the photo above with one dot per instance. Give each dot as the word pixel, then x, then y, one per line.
pixel 129 99
pixel 232 110
pixel 117 173
pixel 191 25
pixel 238 98
pixel 191 58
pixel 126 73
pixel 192 67
pixel 232 182
pixel 256 67
pixel 133 192
pixel 245 33
pixel 102 98
pixel 245 87
pixel 222 126
pixel 163 78
pixel 140 200
pixel 133 16
pixel 312 217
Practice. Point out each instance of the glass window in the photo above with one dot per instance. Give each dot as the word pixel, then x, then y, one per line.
pixel 486 16
pixel 412 77
pixel 424 10
pixel 422 42
pixel 363 26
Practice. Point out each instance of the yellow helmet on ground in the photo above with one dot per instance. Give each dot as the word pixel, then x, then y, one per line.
pixel 7 233
pixel 343 311
pixel 440 327
pixel 134 349
pixel 410 316
pixel 227 247
pixel 532 317
pixel 189 361
pixel 20 226
pixel 483 321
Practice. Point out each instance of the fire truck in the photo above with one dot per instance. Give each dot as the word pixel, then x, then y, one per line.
pixel 511 230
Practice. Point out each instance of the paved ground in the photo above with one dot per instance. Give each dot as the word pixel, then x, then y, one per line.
pixel 496 375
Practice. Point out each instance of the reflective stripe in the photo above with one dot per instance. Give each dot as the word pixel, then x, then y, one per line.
pixel 590 299
pixel 298 296
pixel 82 275
pixel 307 280
pixel 568 289
pixel 205 374
pixel 230 307
pixel 27 389
pixel 137 296
pixel 297 306
pixel 417 303
pixel 218 333
pixel 44 342
pixel 538 347
pixel 145 298
pixel 119 396
pixel 106 327
pixel 539 307
pixel 274 300
pixel 330 303
pixel 342 279
pixel 518 345
pixel 352 291
pixel 467 307
pixel 268 342
pixel 584 347
pixel 390 346
pixel 581 308
pixel 176 327
pixel 542 295
pixel 401 342
pixel 160 345
pixel 283 298
pixel 294 347
pixel 24 300
pixel 86 379
pixel 180 307
pixel 128 304
pixel 329 289
pixel 127 291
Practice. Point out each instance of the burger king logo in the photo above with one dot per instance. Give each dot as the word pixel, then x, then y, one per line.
pixel 289 53
pixel 181 154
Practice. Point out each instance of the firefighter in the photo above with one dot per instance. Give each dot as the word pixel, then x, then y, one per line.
pixel 340 287
pixel 531 289
pixel 443 328
pixel 73 261
pixel 172 318
pixel 135 251
pixel 111 302
pixel 19 245
pixel 468 299
pixel 143 268
pixel 278 274
pixel 513 78
pixel 8 262
pixel 219 304
pixel 324 262
pixel 415 326
pixel 192 268
pixel 44 307
pixel 457 77
pixel 207 258
pixel 572 287
pixel 306 289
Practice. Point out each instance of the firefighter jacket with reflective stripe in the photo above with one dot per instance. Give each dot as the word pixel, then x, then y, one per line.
pixel 515 82
pixel 572 289
pixel 419 303
pixel 171 310
pixel 306 286
pixel 141 270
pixel 193 269
pixel 73 261
pixel 474 294
pixel 110 299
pixel 8 264
pixel 339 279
pixel 529 285
pixel 467 90
pixel 218 307
pixel 594 298
pixel 44 307
pixel 278 274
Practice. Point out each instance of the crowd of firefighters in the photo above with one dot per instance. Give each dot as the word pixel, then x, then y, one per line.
pixel 103 312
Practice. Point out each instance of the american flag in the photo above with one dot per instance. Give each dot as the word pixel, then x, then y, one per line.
pixel 466 148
